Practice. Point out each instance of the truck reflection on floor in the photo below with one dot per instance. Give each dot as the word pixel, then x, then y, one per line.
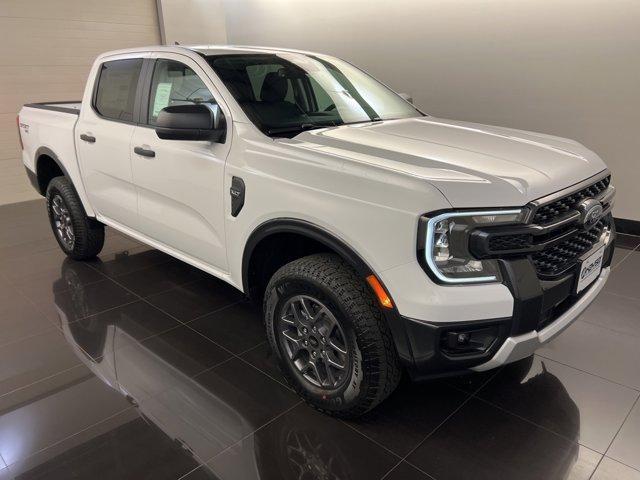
pixel 199 420
pixel 202 422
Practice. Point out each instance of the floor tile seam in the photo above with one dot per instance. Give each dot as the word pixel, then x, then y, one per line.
pixel 239 441
pixel 50 328
pixel 145 299
pixel 364 435
pixel 621 261
pixel 240 354
pixel 213 367
pixel 609 292
pixel 582 320
pixel 264 425
pixel 630 387
pixel 621 425
pixel 126 273
pixel 625 464
pixel 433 430
pixel 208 338
pixel 86 377
pixel 595 469
pixel 400 462
pixel 26 254
pixel 149 267
pixel 64 290
pixel 537 425
pixel 476 394
pixel 605 379
pixel 437 427
pixel 138 341
pixel 30 384
pixel 59 441
pixel 216 310
pixel 266 374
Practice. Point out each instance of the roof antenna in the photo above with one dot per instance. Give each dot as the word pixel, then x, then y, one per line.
pixel 176 43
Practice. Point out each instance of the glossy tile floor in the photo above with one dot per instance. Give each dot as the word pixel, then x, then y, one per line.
pixel 138 366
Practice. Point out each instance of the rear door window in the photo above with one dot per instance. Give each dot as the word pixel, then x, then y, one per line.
pixel 117 85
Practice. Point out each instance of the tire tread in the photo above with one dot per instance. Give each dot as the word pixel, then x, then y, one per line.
pixel 381 368
pixel 89 233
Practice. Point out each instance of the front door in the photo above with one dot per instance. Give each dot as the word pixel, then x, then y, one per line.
pixel 104 133
pixel 180 182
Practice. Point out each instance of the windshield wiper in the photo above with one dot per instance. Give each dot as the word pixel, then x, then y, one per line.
pixel 303 127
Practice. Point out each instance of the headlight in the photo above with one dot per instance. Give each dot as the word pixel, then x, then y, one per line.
pixel 446 245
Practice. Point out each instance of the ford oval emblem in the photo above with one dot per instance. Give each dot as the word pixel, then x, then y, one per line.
pixel 590 212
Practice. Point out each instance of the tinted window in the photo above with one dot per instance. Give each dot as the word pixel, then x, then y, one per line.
pixel 175 84
pixel 116 93
pixel 257 75
pixel 286 93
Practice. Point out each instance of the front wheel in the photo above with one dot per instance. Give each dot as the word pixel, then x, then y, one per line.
pixel 332 341
pixel 79 236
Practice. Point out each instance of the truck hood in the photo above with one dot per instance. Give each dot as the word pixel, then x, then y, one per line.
pixel 472 165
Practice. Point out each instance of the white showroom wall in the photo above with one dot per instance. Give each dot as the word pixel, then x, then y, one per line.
pixel 565 67
pixel 47 49
pixel 192 21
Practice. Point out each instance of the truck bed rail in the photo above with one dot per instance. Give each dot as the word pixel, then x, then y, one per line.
pixel 72 106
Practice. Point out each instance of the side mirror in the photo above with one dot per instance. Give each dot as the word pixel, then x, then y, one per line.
pixel 198 121
pixel 407 97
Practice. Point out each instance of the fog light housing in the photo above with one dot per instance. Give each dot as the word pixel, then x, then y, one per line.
pixel 468 341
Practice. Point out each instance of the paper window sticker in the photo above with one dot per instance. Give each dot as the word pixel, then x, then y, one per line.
pixel 163 94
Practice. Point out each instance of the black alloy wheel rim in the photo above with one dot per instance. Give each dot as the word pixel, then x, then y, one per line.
pixel 314 342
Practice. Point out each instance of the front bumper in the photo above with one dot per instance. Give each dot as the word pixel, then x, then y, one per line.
pixel 521 346
pixel 541 309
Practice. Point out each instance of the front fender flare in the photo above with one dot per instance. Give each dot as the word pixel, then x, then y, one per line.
pixel 319 234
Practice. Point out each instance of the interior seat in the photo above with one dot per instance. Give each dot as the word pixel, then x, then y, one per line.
pixel 273 109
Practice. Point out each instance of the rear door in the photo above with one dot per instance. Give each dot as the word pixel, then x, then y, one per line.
pixel 103 138
pixel 180 182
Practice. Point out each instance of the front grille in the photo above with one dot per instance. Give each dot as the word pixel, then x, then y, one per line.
pixel 552 211
pixel 562 256
pixel 554 238
pixel 510 242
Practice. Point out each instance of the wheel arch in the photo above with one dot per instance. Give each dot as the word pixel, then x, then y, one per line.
pixel 45 160
pixel 331 243
pixel 303 229
pixel 47 165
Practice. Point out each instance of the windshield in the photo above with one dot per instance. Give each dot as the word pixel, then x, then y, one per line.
pixel 286 93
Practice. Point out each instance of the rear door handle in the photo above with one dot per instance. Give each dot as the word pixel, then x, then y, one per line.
pixel 144 152
pixel 88 138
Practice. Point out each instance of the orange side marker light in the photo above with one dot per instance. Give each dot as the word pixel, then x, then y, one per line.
pixel 383 297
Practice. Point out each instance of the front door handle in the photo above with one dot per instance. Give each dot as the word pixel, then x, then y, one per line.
pixel 144 152
pixel 88 138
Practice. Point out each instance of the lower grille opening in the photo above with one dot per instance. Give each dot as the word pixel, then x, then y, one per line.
pixel 554 313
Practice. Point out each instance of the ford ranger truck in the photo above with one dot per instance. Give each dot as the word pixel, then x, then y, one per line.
pixel 377 238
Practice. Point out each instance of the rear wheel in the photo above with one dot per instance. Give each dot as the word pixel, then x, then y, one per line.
pixel 79 236
pixel 333 344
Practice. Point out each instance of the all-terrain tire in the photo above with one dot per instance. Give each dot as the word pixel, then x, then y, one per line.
pixel 88 233
pixel 374 368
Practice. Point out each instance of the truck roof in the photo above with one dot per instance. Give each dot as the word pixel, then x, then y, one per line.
pixel 206 50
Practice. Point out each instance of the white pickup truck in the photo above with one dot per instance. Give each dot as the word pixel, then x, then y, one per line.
pixel 376 237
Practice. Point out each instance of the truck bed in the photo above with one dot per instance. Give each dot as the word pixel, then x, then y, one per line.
pixel 72 106
pixel 47 129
